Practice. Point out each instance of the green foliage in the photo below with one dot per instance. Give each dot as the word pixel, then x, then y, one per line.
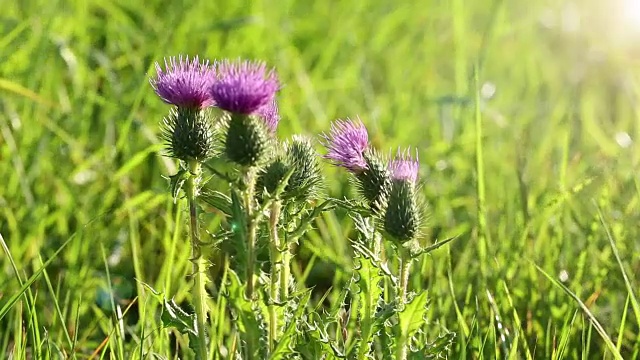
pixel 526 123
pixel 173 316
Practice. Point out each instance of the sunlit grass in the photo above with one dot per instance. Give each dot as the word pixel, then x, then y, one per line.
pixel 557 194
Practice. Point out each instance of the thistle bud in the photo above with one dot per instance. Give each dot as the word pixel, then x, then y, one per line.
pixel 299 158
pixel 306 178
pixel 271 177
pixel 348 145
pixel 188 133
pixel 247 141
pixel 374 181
pixel 403 216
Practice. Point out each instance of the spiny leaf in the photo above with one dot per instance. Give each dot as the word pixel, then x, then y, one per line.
pixel 250 320
pixel 217 200
pixel 412 317
pixel 306 221
pixel 367 294
pixel 364 225
pixel 354 207
pixel 173 316
pixel 288 336
pixel 417 251
pixel 176 182
pixel 317 343
pixel 438 349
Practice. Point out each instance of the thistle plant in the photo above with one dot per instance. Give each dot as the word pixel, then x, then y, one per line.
pixel 348 147
pixel 392 210
pixel 246 90
pixel 227 112
pixel 188 133
pixel 402 222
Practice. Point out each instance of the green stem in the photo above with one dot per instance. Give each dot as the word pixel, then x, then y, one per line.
pixel 199 263
pixel 377 245
pixel 284 271
pixel 250 182
pixel 275 247
pixel 405 266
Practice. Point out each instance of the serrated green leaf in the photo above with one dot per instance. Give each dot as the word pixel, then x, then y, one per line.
pixel 217 200
pixel 412 317
pixel 305 222
pixel 438 349
pixel 367 296
pixel 417 251
pixel 250 322
pixel 173 316
pixel 176 182
pixel 287 338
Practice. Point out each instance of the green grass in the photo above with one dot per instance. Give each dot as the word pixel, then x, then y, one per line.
pixel 545 203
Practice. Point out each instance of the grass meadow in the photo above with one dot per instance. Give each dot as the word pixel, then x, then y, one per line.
pixel 525 114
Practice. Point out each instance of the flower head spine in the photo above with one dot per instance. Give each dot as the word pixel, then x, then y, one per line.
pixel 183 82
pixel 346 144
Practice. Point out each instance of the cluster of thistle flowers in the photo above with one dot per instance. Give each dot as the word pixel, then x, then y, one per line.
pixel 246 92
pixel 228 109
pixel 389 187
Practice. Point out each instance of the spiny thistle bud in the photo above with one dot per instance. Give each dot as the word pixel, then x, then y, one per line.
pixel 348 145
pixel 374 182
pixel 188 134
pixel 403 216
pixel 299 158
pixel 247 140
pixel 306 178
pixel 271 177
pixel 184 84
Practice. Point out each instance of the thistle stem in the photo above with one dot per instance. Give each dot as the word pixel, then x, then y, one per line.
pixel 250 183
pixel 275 248
pixel 285 271
pixel 377 245
pixel 199 263
pixel 405 266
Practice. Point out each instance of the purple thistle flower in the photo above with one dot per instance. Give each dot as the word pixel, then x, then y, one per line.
pixel 184 83
pixel 346 142
pixel 404 167
pixel 243 86
pixel 269 114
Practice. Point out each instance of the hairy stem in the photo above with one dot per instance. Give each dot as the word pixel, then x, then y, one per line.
pixel 405 266
pixel 250 183
pixel 199 263
pixel 285 270
pixel 275 247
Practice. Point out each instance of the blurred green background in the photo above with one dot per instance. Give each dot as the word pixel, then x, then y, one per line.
pixel 549 178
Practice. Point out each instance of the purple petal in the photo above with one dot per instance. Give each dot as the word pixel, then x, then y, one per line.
pixel 244 86
pixel 184 83
pixel 404 167
pixel 346 142
pixel 270 115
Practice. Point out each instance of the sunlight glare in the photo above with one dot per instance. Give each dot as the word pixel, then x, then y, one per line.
pixel 631 14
